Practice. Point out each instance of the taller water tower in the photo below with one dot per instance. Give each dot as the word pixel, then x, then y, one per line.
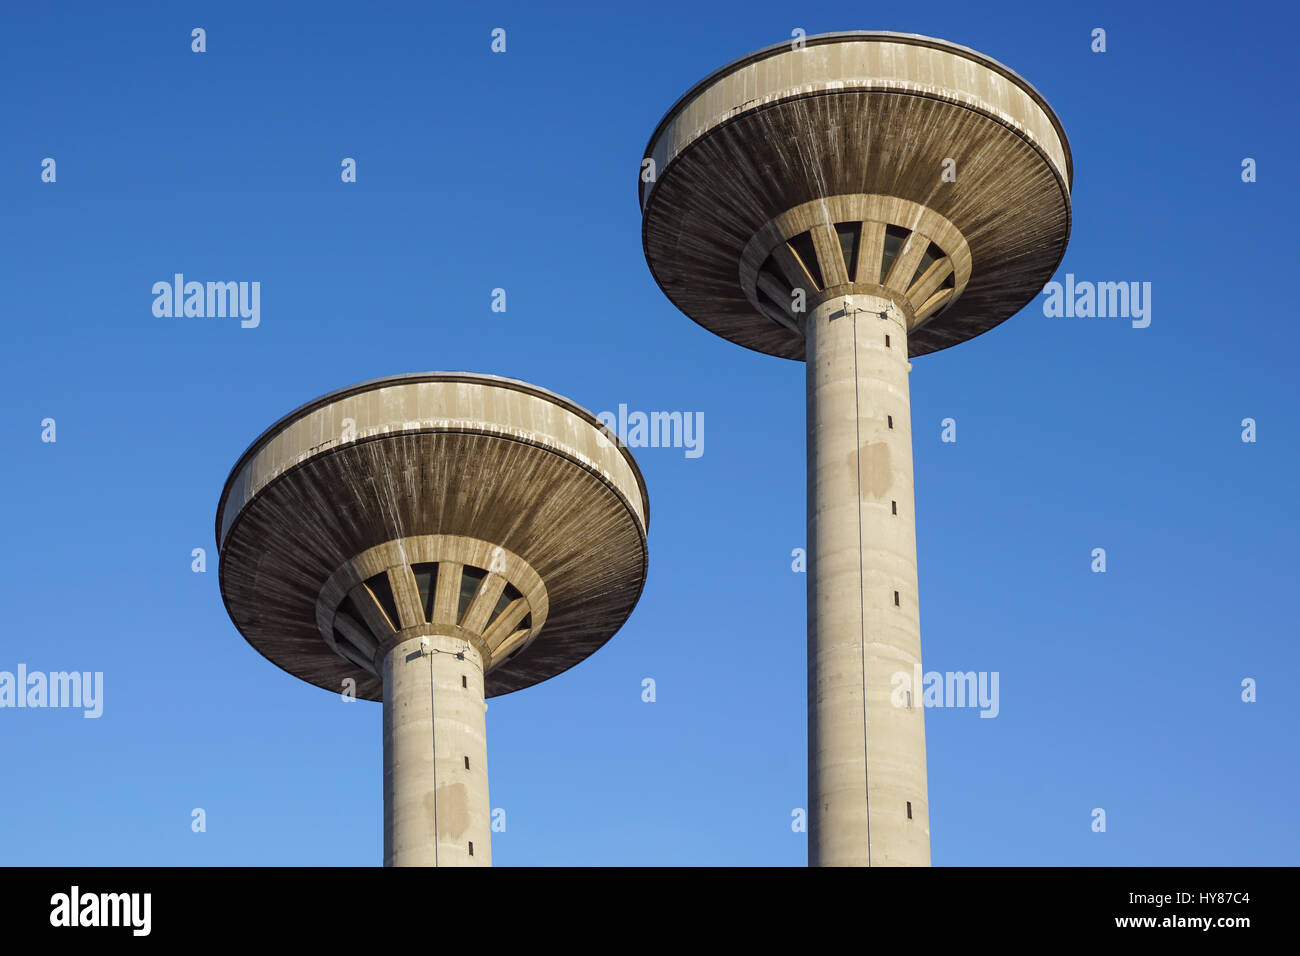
pixel 853 200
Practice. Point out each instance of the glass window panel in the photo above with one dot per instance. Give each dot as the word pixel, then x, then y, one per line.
pixel 850 234
pixel 894 237
pixel 426 579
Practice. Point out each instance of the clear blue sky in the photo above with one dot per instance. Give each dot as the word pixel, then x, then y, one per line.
pixel 475 171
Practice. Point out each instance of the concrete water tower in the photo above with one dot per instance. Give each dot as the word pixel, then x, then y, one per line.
pixel 428 541
pixel 852 201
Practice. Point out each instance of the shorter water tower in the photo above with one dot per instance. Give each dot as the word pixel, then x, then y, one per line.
pixel 429 541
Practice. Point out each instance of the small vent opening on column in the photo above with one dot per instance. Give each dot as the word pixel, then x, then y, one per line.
pixel 890 419
pixel 909 809
pixel 467 761
pixel 471 844
pixel 893 507
pixel 896 604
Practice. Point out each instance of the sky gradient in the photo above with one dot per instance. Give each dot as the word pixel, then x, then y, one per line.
pixel 478 171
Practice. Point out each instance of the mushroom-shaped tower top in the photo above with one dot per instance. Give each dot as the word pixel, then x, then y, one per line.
pixel 453 504
pixel 856 162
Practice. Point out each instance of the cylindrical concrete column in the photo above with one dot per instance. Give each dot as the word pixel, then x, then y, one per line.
pixel 436 808
pixel 866 726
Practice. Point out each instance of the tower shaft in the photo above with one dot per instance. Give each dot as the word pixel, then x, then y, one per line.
pixel 920 179
pixel 866 724
pixel 436 807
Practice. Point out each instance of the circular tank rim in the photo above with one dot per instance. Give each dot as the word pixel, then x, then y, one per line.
pixel 412 378
pixel 916 39
pixel 1060 181
pixel 636 600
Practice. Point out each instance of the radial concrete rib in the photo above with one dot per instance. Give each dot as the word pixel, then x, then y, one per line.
pixel 909 257
pixel 446 603
pixel 406 594
pixel 871 253
pixel 925 286
pixel 489 590
pixel 829 254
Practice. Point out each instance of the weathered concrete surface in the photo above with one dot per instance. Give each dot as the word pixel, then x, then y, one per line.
pixel 866 756
pixel 856 114
pixel 450 454
pixel 917 178
pixel 428 540
pixel 436 807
